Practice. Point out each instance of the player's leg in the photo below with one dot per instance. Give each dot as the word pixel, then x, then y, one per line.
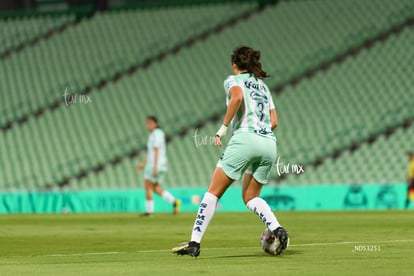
pixel 251 190
pixel 229 168
pixel 218 185
pixel 164 194
pixel 149 201
pixel 167 196
pixel 251 197
pixel 248 175
pixel 251 193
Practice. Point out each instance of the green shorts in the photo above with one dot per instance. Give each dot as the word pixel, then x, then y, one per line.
pixel 249 150
pixel 149 174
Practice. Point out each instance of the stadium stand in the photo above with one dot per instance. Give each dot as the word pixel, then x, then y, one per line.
pixel 192 159
pixel 97 48
pixel 352 93
pixel 302 34
pixel 364 95
pixel 15 32
pixel 186 90
pixel 380 162
pixel 344 105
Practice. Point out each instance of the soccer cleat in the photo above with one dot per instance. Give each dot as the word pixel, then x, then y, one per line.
pixel 188 248
pixel 282 235
pixel 176 206
pixel 145 215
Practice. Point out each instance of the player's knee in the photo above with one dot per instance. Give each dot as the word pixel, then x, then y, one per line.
pixel 157 189
pixel 247 198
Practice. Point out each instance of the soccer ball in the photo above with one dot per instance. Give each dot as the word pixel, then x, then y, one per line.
pixel 269 242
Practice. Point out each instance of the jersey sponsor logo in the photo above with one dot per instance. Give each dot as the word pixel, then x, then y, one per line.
pixel 255 85
pixel 257 91
pixel 257 96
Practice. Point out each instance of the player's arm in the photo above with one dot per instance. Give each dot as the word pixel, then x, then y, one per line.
pixel 273 118
pixel 156 150
pixel 142 164
pixel 236 97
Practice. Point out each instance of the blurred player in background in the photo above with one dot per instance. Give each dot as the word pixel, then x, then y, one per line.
pixel 155 166
pixel 251 111
pixel 410 179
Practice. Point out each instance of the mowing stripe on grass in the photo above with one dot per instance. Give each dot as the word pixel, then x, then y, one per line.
pixel 216 248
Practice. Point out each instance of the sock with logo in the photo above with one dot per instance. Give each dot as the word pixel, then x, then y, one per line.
pixel 263 211
pixel 204 215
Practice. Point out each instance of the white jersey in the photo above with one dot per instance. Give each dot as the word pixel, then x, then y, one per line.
pixel 254 113
pixel 156 139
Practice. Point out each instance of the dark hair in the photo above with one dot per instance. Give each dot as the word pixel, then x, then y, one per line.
pixel 152 118
pixel 248 59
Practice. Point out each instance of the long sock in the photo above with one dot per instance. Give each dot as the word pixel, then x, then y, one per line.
pixel 149 206
pixel 263 211
pixel 168 197
pixel 204 216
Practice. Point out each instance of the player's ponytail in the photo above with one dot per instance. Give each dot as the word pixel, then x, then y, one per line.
pixel 248 59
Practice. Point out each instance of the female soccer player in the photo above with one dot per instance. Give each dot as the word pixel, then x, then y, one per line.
pixel 155 164
pixel 251 111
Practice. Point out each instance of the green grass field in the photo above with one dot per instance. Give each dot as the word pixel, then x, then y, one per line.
pixel 322 243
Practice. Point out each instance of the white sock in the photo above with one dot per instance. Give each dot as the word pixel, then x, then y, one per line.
pixel 149 206
pixel 204 216
pixel 262 209
pixel 168 197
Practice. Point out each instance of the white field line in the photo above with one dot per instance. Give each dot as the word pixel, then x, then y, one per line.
pixel 84 254
pixel 250 247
